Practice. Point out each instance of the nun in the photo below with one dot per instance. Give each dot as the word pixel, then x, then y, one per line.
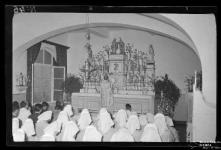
pixel 120 119
pixel 70 132
pixel 133 125
pixel 24 112
pixel 42 123
pixel 91 134
pixel 150 117
pixel 122 134
pixel 137 134
pixel 19 135
pixel 150 133
pixel 160 122
pixel 17 132
pixel 105 124
pixel 83 122
pixel 172 129
pixel 29 130
pixel 50 132
pixel 63 118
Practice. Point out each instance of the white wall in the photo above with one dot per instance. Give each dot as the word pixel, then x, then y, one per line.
pixel 182 112
pixel 202 30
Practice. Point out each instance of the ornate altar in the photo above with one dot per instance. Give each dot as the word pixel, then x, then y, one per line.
pixel 131 73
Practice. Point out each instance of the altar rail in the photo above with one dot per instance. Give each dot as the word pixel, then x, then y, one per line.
pixel 139 103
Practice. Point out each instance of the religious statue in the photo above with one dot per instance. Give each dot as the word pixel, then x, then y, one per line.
pixel 92 76
pixel 98 76
pixel 112 80
pixel 135 56
pixel 135 77
pixel 128 75
pixel 90 56
pixel 130 79
pixel 114 46
pixel 140 61
pixel 128 51
pixel 121 46
pixel 142 74
pixel 20 79
pixel 151 52
pixel 89 50
pixel 129 65
pixel 146 80
pixel 145 58
pixel 142 55
pixel 118 51
pixel 107 51
pixel 106 66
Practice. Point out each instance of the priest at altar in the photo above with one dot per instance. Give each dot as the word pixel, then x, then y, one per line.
pixel 106 93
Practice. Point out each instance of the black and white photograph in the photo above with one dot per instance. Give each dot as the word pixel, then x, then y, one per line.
pixel 113 77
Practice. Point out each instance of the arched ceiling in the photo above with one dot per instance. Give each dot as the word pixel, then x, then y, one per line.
pixel 167 21
pixel 43 26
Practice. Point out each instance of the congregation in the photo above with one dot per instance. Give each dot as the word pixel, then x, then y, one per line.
pixel 63 123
